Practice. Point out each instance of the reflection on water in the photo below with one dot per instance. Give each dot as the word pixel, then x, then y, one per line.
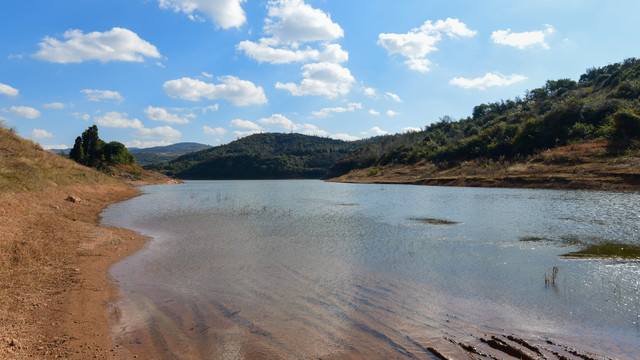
pixel 306 269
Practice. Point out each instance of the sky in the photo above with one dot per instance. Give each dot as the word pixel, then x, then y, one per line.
pixel 157 72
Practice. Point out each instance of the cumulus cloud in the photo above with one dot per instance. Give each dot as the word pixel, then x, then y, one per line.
pixel 327 79
pixel 161 114
pixel 339 109
pixel 54 105
pixel 241 134
pixel 293 21
pixel 82 116
pixel 392 113
pixel 117 44
pixel 99 95
pixel 393 97
pixel 8 90
pixel 245 124
pixel 145 144
pixel 524 39
pixel 160 132
pixel 225 13
pixel 290 24
pixel 373 112
pixel 240 92
pixel 55 147
pixel 40 134
pixel 278 120
pixel 115 119
pixel 411 129
pixel 420 42
pixel 263 51
pixel 213 131
pixel 488 80
pixel 370 92
pixel 376 131
pixel 24 111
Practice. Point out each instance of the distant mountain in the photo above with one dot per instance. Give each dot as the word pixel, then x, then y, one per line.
pixel 179 148
pixel 158 154
pixel 260 156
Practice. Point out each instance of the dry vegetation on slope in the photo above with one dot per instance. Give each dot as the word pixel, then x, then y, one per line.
pixel 54 256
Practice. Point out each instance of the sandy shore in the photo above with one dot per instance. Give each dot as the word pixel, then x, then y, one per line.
pixel 57 302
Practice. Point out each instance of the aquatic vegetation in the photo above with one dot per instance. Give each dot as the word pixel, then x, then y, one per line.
pixel 533 239
pixel 433 221
pixel 550 276
pixel 607 250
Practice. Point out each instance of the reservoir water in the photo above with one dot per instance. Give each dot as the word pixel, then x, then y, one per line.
pixel 306 269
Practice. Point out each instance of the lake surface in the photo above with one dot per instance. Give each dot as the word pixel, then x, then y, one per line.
pixel 308 269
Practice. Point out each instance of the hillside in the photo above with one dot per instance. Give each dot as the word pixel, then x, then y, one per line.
pixel 157 154
pixel 260 156
pixel 602 107
pixel 54 254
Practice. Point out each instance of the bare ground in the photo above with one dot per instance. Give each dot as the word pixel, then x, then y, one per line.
pixel 56 255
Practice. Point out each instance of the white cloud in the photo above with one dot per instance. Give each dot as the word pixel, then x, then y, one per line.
pixel 207 75
pixel 264 52
pixel 54 105
pixel 215 132
pixel 419 42
pixel 278 120
pixel 326 111
pixel 82 116
pixel 145 144
pixel 240 92
pixel 99 95
pixel 293 21
pixel 161 114
pixel 225 13
pixel 392 113
pixel 117 44
pixel 24 111
pixel 210 108
pixel 376 131
pixel 241 134
pixel 345 137
pixel 55 147
pixel 370 92
pixel 2 118
pixel 117 120
pixel 411 129
pixel 524 39
pixel 324 78
pixel 40 134
pixel 488 80
pixel 8 90
pixel 373 112
pixel 245 124
pixel 393 97
pixel 161 132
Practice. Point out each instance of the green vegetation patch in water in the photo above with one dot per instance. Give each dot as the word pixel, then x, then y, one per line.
pixel 533 239
pixel 433 221
pixel 607 250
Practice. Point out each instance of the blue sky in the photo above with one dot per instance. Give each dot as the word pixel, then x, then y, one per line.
pixel 156 72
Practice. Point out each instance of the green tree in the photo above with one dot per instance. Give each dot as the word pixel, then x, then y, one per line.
pixel 116 153
pixel 77 152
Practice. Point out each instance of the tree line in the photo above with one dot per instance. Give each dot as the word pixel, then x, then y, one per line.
pixel 90 150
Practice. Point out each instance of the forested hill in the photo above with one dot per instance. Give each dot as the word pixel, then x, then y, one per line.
pixel 164 153
pixel 603 105
pixel 261 156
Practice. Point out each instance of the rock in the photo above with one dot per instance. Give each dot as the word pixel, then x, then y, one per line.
pixel 73 199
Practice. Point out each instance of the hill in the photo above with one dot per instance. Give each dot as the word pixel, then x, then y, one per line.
pixel 602 108
pixel 260 156
pixel 54 253
pixel 158 154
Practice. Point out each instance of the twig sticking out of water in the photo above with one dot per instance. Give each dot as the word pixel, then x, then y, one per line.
pixel 550 277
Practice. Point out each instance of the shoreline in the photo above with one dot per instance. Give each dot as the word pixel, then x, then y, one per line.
pixel 65 309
